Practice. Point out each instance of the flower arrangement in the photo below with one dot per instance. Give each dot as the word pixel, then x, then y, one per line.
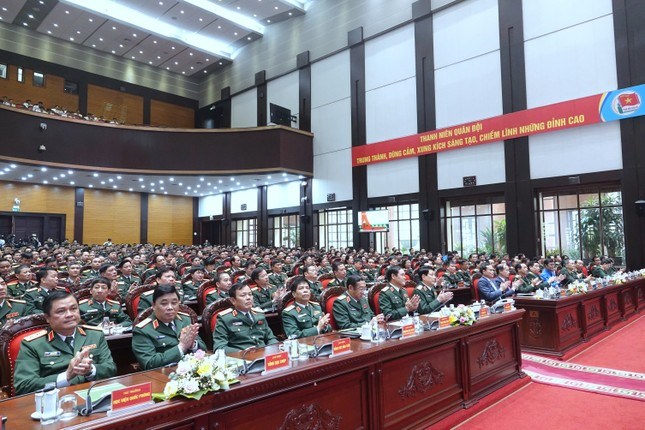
pixel 462 315
pixel 196 375
pixel 577 287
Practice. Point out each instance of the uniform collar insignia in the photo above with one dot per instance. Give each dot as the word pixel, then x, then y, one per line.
pixel 155 324
pixel 81 331
pixel 50 336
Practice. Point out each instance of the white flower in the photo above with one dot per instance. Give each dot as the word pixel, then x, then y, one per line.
pixel 171 389
pixel 190 386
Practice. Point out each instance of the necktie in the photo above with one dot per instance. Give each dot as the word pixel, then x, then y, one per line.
pixel 69 340
pixel 250 316
pixel 171 324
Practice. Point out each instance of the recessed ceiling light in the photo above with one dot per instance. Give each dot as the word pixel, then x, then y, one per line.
pixel 120 45
pixel 55 178
pixel 183 73
pixel 91 186
pixel 113 186
pixel 268 176
pixel 149 62
pixel 23 178
pixel 72 182
pixel 29 175
pixel 90 20
pixel 160 3
pixel 181 11
pixel 152 184
pixel 176 63
pixel 165 192
pixel 237 183
pixel 66 12
pixel 55 25
pixel 188 187
pixel 133 57
pixel 143 186
pixel 198 186
pixel 185 193
pixel 158 57
pixel 71 38
pixel 111 180
pixel 220 63
pixel 100 39
pixel 140 52
pixel 172 47
pixel 113 52
pixel 205 71
pixel 102 182
pixel 62 175
pixel 201 19
pixel 190 53
pixel 93 45
pixel 290 14
pixel 25 24
pixel 134 34
pixel 239 8
pixel 154 41
pixel 45 182
pixel 192 68
pixel 13 166
pixel 235 33
pixel 30 16
pixel 96 175
pixel 130 189
pixel 181 184
pixel 49 32
pixel 43 169
pixel 220 181
pixel 78 32
pixel 6 169
pixel 167 68
pixel 113 28
pixel 219 27
pixel 268 20
pixel 248 38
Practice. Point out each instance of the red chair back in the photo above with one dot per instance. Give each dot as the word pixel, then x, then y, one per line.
pixel 329 296
pixel 209 318
pixel 475 290
pixel 372 297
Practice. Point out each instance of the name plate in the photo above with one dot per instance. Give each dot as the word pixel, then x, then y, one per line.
pixel 276 361
pixel 483 312
pixel 408 331
pixel 134 395
pixel 444 322
pixel 341 346
pixel 507 307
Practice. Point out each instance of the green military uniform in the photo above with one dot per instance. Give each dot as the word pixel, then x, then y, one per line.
pixel 278 279
pixel 235 331
pixel 17 290
pixel 12 308
pixel 370 275
pixel 324 270
pixel 154 344
pixel 299 321
pixel 392 300
pixel 527 284
pixel 145 300
pixel 264 266
pixel 89 274
pixel 351 313
pixel 44 355
pixel 190 289
pixel 428 301
pixel 148 273
pixel 598 272
pixel 569 277
pixel 125 282
pixel 352 270
pixel 464 276
pixel 262 297
pixel 35 298
pixel 451 280
pixel 337 283
pixel 93 312
pixel 315 287
pixel 215 295
pixel 286 268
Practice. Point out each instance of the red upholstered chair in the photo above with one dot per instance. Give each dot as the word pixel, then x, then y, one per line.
pixel 473 287
pixel 202 291
pixel 372 297
pixel 287 300
pixel 11 336
pixel 409 287
pixel 182 268
pixel 440 273
pixel 327 300
pixel 209 319
pixel 325 279
pixel 133 297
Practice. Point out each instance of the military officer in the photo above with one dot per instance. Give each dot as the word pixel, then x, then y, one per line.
pixel 47 282
pixel 277 277
pixel 351 309
pixel 65 353
pixel 165 275
pixel 602 271
pixel 93 271
pixel 303 318
pixel 5 268
pixel 10 308
pixel 73 274
pixel 190 286
pixel 311 275
pixel 265 296
pixel 428 300
pixel 340 273
pixel 95 309
pixel 223 286
pixel 243 326
pixel 393 299
pixel 22 283
pixel 450 279
pixel 533 281
pixel 127 278
pixel 167 335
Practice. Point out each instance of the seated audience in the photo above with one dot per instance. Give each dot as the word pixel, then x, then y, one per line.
pixel 96 309
pixel 393 299
pixel 303 318
pixel 351 309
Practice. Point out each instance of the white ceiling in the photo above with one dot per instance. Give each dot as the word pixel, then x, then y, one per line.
pixel 179 185
pixel 189 37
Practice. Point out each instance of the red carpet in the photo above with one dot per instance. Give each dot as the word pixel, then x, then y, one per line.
pixel 539 406
pixel 623 349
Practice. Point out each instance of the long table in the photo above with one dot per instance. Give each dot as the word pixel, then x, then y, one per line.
pixel 399 384
pixel 553 327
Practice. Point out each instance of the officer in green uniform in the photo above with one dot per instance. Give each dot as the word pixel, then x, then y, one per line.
pixel 393 299
pixel 277 277
pixel 167 335
pixel 223 285
pixel 351 309
pixel 243 326
pixel 340 273
pixel 370 272
pixel 311 275
pixel 47 282
pixel 94 310
pixel 569 272
pixel 450 278
pixel 265 296
pixel 93 271
pixel 190 286
pixel 428 300
pixel 5 268
pixel 602 271
pixel 18 287
pixel 10 308
pixel 532 281
pixel 303 318
pixel 65 353
pixel 127 278
pixel 165 275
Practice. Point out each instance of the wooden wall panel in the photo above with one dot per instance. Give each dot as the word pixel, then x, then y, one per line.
pixel 170 219
pixel 170 115
pixel 111 214
pixel 40 199
pixel 51 94
pixel 114 104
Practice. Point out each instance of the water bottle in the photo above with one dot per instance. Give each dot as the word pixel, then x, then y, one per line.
pixel 105 325
pixel 418 327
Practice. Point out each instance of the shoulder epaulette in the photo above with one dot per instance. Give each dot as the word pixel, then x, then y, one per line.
pixel 290 307
pixel 91 327
pixel 385 289
pixel 342 297
pixel 16 300
pixel 83 301
pixel 143 323
pixel 226 312
pixel 183 313
pixel 31 289
pixel 257 310
pixel 39 333
pixel 314 303
pixel 115 302
pixel 419 287
pixel 147 293
pixel 254 289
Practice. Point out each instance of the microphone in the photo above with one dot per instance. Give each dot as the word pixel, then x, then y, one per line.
pixel 102 405
pixel 318 348
pixel 247 350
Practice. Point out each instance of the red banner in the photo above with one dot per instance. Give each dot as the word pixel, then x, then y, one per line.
pixel 559 116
